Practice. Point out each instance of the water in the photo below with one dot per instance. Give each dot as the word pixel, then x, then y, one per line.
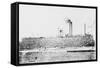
pixel 54 56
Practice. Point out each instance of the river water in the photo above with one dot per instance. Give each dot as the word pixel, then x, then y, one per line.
pixel 47 56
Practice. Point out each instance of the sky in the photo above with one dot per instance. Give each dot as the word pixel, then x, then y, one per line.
pixel 44 21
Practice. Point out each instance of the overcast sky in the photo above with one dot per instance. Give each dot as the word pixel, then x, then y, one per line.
pixel 44 21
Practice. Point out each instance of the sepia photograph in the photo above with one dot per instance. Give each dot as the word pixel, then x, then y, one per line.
pixel 56 34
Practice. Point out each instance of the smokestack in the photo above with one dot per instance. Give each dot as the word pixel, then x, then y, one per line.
pixel 84 29
pixel 70 26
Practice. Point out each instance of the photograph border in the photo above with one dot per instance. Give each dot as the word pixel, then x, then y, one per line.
pixel 15 32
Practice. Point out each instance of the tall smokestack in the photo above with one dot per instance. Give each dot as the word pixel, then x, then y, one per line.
pixel 84 29
pixel 70 26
